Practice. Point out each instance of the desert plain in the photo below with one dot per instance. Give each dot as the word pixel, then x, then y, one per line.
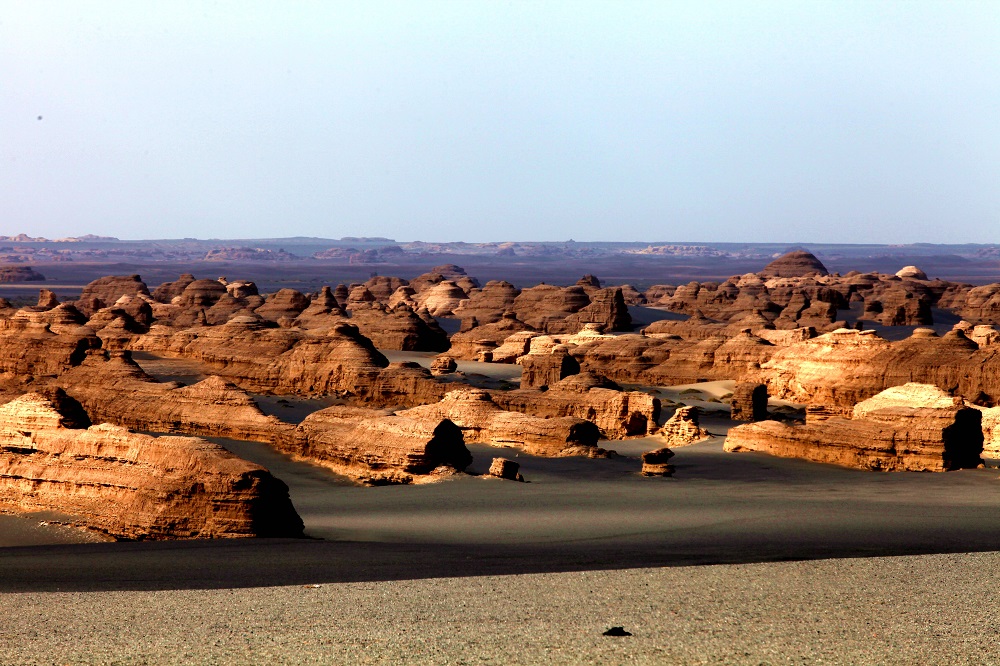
pixel 296 462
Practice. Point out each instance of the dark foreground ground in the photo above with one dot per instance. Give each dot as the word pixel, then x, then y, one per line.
pixel 573 515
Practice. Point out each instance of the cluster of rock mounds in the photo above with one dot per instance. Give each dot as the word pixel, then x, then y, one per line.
pixel 914 427
pixel 134 486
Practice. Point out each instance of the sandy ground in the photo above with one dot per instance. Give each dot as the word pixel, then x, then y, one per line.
pixel 933 609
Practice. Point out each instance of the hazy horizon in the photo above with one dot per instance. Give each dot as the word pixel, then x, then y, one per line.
pixel 844 122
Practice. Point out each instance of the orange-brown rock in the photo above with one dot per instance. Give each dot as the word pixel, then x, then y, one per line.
pixel 284 303
pixel 444 365
pixel 502 468
pixel 655 462
pixel 31 350
pixel 104 292
pixel 442 299
pixel 376 446
pixel 617 414
pixel 484 422
pixel 488 304
pixel 114 389
pixel 749 402
pixel 399 328
pixel 554 309
pixel 133 486
pixel 683 428
pixel 886 433
pixel 168 291
pixel 798 263
pixel 545 369
pixel 503 340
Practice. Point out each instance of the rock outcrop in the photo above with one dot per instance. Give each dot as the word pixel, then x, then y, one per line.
pixel 378 447
pixel 749 402
pixel 798 263
pixel 20 274
pixel 682 428
pixel 897 430
pixel 502 468
pixel 133 486
pixel 484 422
pixel 655 463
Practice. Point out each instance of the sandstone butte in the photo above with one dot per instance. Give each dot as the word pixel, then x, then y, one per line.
pixel 483 421
pixel 133 486
pixel 913 428
pixel 377 447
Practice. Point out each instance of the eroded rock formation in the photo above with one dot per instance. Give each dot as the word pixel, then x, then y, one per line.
pixel 133 486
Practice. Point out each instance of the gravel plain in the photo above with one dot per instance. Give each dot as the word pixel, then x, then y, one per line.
pixel 927 609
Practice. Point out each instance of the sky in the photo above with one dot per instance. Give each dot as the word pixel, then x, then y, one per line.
pixel 699 121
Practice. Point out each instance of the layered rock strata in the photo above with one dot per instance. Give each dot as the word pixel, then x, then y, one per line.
pixel 885 433
pixel 133 486
pixel 378 447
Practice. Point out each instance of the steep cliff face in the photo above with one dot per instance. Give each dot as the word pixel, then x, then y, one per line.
pixel 915 429
pixel 376 446
pixel 133 486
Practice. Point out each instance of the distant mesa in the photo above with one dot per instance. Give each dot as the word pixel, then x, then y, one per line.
pixel 248 254
pixel 797 263
pixel 20 274
pixel 25 238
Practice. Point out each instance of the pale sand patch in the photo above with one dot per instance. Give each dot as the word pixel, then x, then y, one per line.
pixel 931 609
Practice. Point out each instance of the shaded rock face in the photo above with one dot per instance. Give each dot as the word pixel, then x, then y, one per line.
pixel 20 274
pixel 443 365
pixel 654 463
pixel 797 263
pixel 46 299
pixel 892 431
pixel 682 428
pixel 749 402
pixel 483 421
pixel 442 299
pixel 545 369
pixel 106 291
pixel 133 486
pixel 376 446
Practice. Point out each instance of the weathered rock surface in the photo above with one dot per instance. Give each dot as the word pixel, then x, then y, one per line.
pixel 114 389
pixel 484 422
pixel 502 468
pixel 617 413
pixel 749 402
pixel 106 291
pixel 682 428
pixel 885 433
pixel 546 369
pixel 797 263
pixel 133 486
pixel 654 463
pixel 443 365
pixel 376 446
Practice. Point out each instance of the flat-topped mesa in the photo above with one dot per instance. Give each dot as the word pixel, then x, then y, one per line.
pixel 484 422
pixel 912 428
pixel 488 304
pixel 377 447
pixel 617 414
pixel 20 274
pixel 134 486
pixel 114 389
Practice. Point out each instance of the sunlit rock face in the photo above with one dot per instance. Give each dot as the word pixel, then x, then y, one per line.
pixel 134 486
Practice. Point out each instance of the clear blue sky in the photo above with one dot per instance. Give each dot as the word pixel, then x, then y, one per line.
pixel 662 121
